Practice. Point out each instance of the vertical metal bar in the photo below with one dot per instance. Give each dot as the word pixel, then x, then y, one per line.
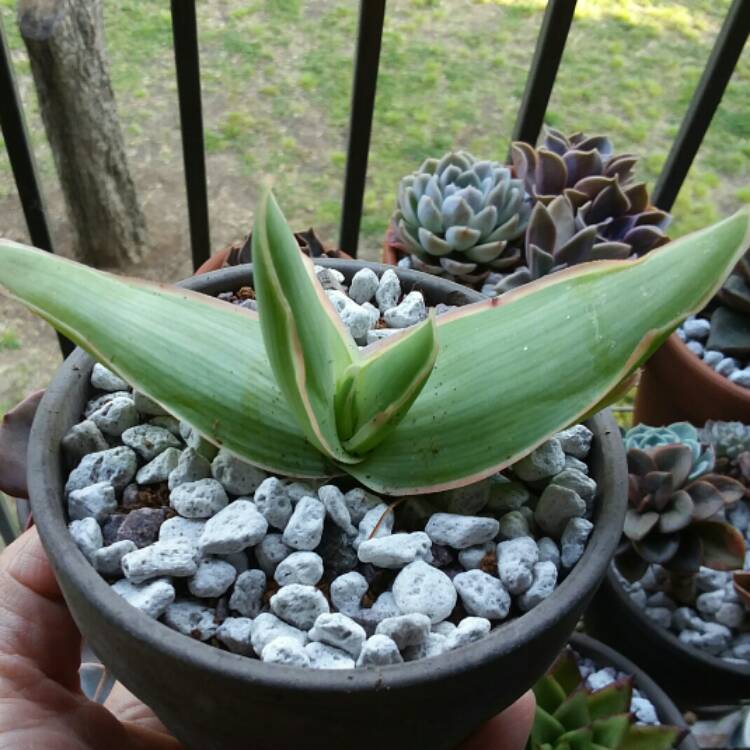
pixel 708 94
pixel 546 60
pixel 370 34
pixel 187 64
pixel 22 163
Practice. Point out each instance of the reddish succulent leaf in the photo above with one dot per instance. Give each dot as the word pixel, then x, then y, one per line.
pixel 742 587
pixel 658 548
pixel 678 513
pixel 723 546
pixel 639 525
pixel 675 459
pixel 707 500
pixel 730 489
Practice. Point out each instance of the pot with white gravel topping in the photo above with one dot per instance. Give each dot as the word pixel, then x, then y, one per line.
pixel 349 531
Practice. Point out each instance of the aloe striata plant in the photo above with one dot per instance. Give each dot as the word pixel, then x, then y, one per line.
pixel 441 405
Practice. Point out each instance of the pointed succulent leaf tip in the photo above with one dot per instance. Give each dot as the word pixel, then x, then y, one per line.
pixel 201 359
pixel 722 545
pixel 308 347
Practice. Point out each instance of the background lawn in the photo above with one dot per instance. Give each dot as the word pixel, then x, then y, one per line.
pixel 277 83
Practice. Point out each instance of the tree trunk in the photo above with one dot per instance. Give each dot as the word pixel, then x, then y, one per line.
pixel 65 42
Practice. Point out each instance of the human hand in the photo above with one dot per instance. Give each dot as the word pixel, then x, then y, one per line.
pixel 41 703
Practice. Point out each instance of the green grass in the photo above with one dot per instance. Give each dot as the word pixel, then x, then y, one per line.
pixel 277 85
pixel 9 341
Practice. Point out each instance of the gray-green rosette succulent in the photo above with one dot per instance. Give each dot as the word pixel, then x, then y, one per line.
pixel 458 216
pixel 644 437
pixel 729 439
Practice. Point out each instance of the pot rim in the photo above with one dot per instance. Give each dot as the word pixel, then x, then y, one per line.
pixel 44 463
pixel 668 640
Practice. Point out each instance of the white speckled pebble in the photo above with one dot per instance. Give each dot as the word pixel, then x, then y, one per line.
pixel 174 557
pixel 709 603
pixel 446 627
pixel 741 377
pixel 97 501
pixel 364 285
pixel 233 529
pixel 433 645
pixel 297 490
pixel 270 552
pixel 644 710
pixel 730 614
pixel 411 310
pixel 469 630
pixel 482 595
pixel 601 678
pixel 83 438
pixel 336 508
pixel 272 501
pixel 116 416
pixel 115 465
pixel 151 598
pixel 545 461
pixel 471 557
pixel 299 567
pixel 577 481
pixel 695 347
pixel 104 379
pixel 461 532
pixel 248 591
pixel 149 441
pixel 178 527
pixel 236 634
pixel 339 631
pixel 146 405
pixel 299 605
pixel 370 521
pixel 87 535
pixel 388 291
pixel 712 357
pixel 576 440
pixel 548 550
pixel 193 619
pixel 201 499
pixel 267 627
pixel 396 550
pixel 323 656
pixel 236 476
pixel 660 615
pixel 573 540
pixel 359 501
pixel 286 651
pixel 190 468
pixel 347 591
pixel 354 317
pixel 697 328
pixel 545 579
pixel 421 588
pixel 96 403
pixel 380 333
pixel 374 317
pixel 727 366
pixel 405 630
pixel 556 506
pixel 515 561
pixel 160 468
pixel 212 579
pixel 513 525
pixel 305 527
pixel 379 651
pixel 108 560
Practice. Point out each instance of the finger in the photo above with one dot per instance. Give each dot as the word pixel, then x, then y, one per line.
pixel 15 427
pixel 128 709
pixel 508 730
pixel 35 625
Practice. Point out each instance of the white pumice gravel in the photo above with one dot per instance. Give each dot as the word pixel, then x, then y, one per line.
pixel 325 575
pixel 104 379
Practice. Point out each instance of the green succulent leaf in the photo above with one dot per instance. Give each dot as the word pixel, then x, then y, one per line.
pixel 610 731
pixel 610 700
pixel 546 728
pixel 548 693
pixel 641 737
pixel 573 713
pixel 577 739
pixel 565 672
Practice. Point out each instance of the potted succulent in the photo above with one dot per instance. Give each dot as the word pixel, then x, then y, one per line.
pixel 677 584
pixel 497 227
pixel 712 354
pixel 596 698
pixel 288 392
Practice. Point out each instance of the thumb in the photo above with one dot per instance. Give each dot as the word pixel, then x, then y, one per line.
pixel 508 730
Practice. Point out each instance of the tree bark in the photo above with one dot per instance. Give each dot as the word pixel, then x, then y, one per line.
pixel 69 64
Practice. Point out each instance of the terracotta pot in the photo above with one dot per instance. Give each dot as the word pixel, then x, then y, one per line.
pixel 692 678
pixel 676 385
pixel 215 700
pixel 603 655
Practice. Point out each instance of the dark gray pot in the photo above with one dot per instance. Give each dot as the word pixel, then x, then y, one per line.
pixel 215 700
pixel 693 679
pixel 605 656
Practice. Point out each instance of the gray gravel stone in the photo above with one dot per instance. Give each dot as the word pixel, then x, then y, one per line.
pixel 697 328
pixel 236 476
pixel 236 634
pixel 709 602
pixel 513 525
pixel 549 551
pixel 556 506
pixel 576 440
pixel 712 357
pixel 359 501
pixel 182 528
pixel 379 651
pixel 727 366
pixel 96 403
pixel 421 588
pixel 389 290
pixel 267 627
pixel 545 461
pixel 573 540
pixel 286 651
pixel 160 468
pixel 571 462
pixel 238 560
pixel 193 439
pixel 323 656
pixel 405 630
pixel 545 579
pixel 190 468
pixel 471 557
pixel 339 631
pixel 151 598
pixel 446 627
pixel 87 535
pixel 270 552
pixel 146 405
pixel 739 516
pixel 212 579
pixel 299 567
pixel 464 501
pixel 730 614
pixel 107 560
pixel 247 595
pixel 233 529
pixel 167 421
pixel 347 591
pixel 297 490
pixel 174 557
pixel 434 644
pixel 299 605
pixel 97 501
pixel 336 508
pixel 379 334
pixel 354 317
pixel 469 630
pixel 644 710
pixel 142 526
pixel 370 520
pixel 741 646
pixel 115 416
pixel 660 615
pixel 461 532
pixel 396 550
pixel 111 526
pixel 482 595
pixel 272 501
pixel 741 377
pixel 409 312
pixel 149 441
pixel 201 499
pixel 708 579
pixel 192 619
pixel 714 639
pixel 515 561
pixel 578 482
pixel 364 285
pixel 374 317
pixel 115 465
pixel 83 438
pixel 104 379
pixel 506 495
pixel 695 347
pixel 305 527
